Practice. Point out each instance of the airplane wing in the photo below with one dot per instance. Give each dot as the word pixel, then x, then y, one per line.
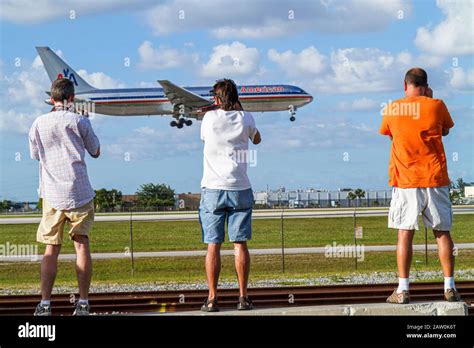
pixel 181 96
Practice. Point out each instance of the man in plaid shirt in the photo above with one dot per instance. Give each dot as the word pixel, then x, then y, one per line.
pixel 58 140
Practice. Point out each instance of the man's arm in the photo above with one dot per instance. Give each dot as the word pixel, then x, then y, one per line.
pixel 91 142
pixel 447 121
pixel 254 134
pixel 34 152
pixel 429 94
pixel 384 127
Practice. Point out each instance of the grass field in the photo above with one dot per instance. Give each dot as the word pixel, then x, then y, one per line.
pixel 191 269
pixel 186 235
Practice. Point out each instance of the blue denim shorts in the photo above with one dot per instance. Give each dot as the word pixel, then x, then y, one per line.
pixel 221 207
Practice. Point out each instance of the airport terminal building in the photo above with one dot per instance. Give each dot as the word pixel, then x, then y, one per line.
pixel 322 198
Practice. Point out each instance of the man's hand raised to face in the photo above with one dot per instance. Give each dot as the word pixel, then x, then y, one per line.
pixel 82 111
pixel 257 138
pixel 429 92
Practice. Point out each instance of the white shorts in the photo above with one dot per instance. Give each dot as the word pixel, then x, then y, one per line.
pixel 431 202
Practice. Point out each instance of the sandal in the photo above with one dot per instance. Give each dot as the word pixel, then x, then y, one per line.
pixel 245 304
pixel 206 308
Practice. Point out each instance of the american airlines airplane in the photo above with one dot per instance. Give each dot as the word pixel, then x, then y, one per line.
pixel 182 103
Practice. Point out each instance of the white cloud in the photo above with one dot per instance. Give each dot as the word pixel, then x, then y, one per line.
pixel 230 60
pixel 330 132
pixel 308 61
pixel 426 60
pixel 273 28
pixel 22 94
pixel 174 16
pixel 163 57
pixel 454 35
pixel 150 143
pixel 295 143
pixel 359 69
pixel 18 122
pixel 349 70
pixel 462 80
pixel 146 131
pixel 23 86
pixel 362 104
pixel 270 18
pixel 147 84
pixel 27 11
pixel 100 79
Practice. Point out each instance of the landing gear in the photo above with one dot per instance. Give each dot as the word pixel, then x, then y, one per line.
pixel 180 122
pixel 292 111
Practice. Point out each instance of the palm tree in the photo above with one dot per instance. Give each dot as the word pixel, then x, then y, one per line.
pixel 351 196
pixel 359 193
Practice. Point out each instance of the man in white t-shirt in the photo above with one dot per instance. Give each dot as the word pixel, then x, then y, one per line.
pixel 227 196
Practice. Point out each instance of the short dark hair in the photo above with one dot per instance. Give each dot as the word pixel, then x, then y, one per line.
pixel 226 91
pixel 416 77
pixel 62 89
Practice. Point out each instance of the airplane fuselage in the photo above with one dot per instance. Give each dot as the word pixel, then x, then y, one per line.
pixel 153 101
pixel 182 103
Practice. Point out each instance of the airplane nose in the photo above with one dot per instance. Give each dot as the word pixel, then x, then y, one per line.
pixel 310 98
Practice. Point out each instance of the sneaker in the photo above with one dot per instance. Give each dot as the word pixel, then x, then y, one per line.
pixel 245 304
pixel 452 295
pixel 402 298
pixel 207 308
pixel 42 310
pixel 81 309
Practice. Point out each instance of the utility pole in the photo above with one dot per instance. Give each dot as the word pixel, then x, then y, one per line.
pixel 282 235
pixel 131 241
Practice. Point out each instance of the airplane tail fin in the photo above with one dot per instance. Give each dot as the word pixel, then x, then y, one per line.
pixel 57 68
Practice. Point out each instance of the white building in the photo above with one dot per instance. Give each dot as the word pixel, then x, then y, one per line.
pixel 321 198
pixel 469 191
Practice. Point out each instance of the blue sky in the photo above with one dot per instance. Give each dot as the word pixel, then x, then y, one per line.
pixel 350 55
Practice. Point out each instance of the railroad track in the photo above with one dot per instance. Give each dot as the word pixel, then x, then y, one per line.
pixel 188 300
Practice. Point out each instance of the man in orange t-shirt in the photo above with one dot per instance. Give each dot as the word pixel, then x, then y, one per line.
pixel 419 176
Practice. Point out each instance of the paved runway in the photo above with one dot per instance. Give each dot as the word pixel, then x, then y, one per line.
pixel 265 214
pixel 191 253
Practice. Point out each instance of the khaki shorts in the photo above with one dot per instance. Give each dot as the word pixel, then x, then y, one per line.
pixel 51 228
pixel 432 203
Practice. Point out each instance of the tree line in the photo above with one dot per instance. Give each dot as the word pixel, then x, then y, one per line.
pixel 148 196
pixel 161 195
